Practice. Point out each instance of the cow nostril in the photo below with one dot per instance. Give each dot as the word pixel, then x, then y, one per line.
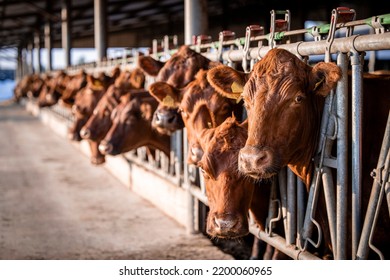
pixel 105 148
pixel 85 133
pixel 224 224
pixel 262 158
pixel 171 119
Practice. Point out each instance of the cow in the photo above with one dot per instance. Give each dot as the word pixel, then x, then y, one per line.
pixel 23 87
pixel 183 101
pixel 52 89
pixel 284 99
pixel 178 71
pixel 230 193
pixel 99 122
pixel 85 102
pixel 74 85
pixel 132 127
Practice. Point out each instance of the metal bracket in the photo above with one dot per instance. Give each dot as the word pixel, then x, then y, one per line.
pixel 251 32
pixel 278 25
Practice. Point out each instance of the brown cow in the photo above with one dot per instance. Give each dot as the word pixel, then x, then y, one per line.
pixel 284 98
pixel 100 121
pixel 52 89
pixel 75 84
pixel 183 101
pixel 131 127
pixel 178 71
pixel 230 194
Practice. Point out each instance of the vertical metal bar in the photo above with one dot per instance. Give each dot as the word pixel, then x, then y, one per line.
pixel 37 44
pixel 193 16
pixel 342 159
pixel 357 116
pixel 282 178
pixel 362 251
pixel 301 190
pixel 327 182
pixel 100 29
pixel 66 30
pixel 291 207
pixel 48 45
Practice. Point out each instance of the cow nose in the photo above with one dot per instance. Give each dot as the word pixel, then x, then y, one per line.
pixel 105 147
pixel 251 158
pixel 164 119
pixel 85 133
pixel 196 154
pixel 224 224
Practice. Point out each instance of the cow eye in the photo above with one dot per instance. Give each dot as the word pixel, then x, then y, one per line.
pixel 298 99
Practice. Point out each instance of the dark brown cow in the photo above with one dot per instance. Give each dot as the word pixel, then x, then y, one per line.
pixel 131 127
pixel 230 194
pixel 284 98
pixel 178 71
pixel 100 121
pixel 75 84
pixel 52 89
pixel 183 101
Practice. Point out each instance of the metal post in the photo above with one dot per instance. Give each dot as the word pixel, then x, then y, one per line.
pixel 65 30
pixel 100 29
pixel 48 45
pixel 362 252
pixel 37 45
pixel 342 159
pixel 282 179
pixel 291 207
pixel 357 135
pixel 194 17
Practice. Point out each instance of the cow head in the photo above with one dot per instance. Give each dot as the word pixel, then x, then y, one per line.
pixel 131 127
pixel 75 84
pixel 177 72
pixel 100 121
pixel 283 98
pixel 229 192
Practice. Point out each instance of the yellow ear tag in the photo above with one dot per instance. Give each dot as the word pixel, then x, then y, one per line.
pixel 318 83
pixel 97 85
pixel 209 125
pixel 168 101
pixel 237 88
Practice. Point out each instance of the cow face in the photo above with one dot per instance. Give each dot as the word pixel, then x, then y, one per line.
pixel 282 96
pixel 178 71
pixel 85 102
pixel 131 125
pixel 75 84
pixel 229 193
pixel 100 121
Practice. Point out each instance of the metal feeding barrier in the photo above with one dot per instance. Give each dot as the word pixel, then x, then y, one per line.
pixel 292 206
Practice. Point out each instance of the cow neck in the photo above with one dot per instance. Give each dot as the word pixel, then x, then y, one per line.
pixel 160 141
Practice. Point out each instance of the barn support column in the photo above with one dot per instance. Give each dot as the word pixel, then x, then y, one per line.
pixel 19 68
pixel 37 45
pixel 48 38
pixel 195 19
pixel 65 30
pixel 30 51
pixel 100 19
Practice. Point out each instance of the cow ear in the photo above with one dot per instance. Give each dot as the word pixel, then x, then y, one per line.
pixel 203 117
pixel 325 76
pixel 137 78
pixel 227 81
pixel 149 65
pixel 165 93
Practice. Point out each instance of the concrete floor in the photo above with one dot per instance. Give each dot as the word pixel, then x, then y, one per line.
pixel 55 205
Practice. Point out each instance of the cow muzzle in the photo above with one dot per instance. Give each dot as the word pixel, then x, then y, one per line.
pixel 255 162
pixel 227 225
pixel 167 119
pixel 105 148
pixel 85 133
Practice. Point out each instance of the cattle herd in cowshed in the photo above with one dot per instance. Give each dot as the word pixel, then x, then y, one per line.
pixel 242 128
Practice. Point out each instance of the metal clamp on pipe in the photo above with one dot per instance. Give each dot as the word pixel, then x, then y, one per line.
pixel 199 40
pixel 224 36
pixel 278 26
pixel 251 32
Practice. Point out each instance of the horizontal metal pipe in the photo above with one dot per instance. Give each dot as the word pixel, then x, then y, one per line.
pixel 358 43
pixel 279 243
